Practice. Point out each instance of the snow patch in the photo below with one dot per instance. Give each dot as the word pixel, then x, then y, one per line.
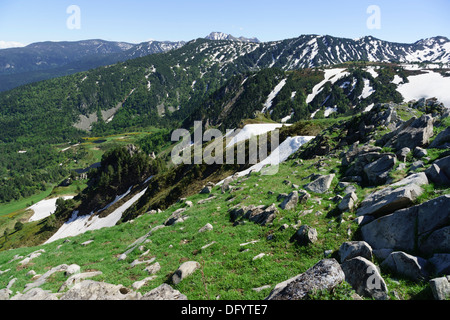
pixel 44 208
pixel 427 85
pixel 273 94
pixel 279 155
pixel 78 225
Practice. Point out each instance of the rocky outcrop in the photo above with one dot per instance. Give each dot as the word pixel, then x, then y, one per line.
pixel 94 290
pixel 411 134
pixel 262 215
pixel 404 228
pixel 398 195
pixel 325 275
pixel 439 172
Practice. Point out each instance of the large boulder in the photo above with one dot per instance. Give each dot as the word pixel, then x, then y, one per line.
pixel 364 278
pixel 377 172
pixel 440 263
pixel 442 140
pixel 404 228
pixel 321 184
pixel 396 196
pixel 440 288
pixel 437 241
pixel 414 268
pixel 325 275
pixel 439 171
pixel 94 290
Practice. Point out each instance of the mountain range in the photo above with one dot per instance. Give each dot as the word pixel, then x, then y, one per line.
pixel 46 60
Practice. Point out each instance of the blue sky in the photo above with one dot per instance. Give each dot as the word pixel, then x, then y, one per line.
pixel 27 21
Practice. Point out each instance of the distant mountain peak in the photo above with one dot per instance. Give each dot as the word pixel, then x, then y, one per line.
pixel 229 37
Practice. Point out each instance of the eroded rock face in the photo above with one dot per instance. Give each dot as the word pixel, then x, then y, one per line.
pixel 325 275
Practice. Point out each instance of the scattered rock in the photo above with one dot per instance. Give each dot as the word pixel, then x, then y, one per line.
pixel 207 227
pixel 153 269
pixel 290 202
pixel 185 270
pixel 259 256
pixel 35 294
pixel 87 243
pixel 348 202
pixel 420 152
pixel 75 278
pixel 305 235
pixel 139 284
pixel 403 153
pixel 321 184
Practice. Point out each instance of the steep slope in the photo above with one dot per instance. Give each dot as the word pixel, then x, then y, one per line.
pixel 244 242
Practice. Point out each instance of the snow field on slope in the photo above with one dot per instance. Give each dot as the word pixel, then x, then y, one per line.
pixel 253 130
pixel 332 75
pixel 273 94
pixel 427 85
pixel 44 208
pixel 79 225
pixel 279 155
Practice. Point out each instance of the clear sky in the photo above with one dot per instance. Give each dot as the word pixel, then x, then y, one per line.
pixel 406 21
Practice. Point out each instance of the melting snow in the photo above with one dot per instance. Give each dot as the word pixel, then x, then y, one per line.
pixel 280 154
pixel 272 95
pixel 78 225
pixel 367 91
pixel 332 75
pixel 427 85
pixel 44 208
pixel 253 130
